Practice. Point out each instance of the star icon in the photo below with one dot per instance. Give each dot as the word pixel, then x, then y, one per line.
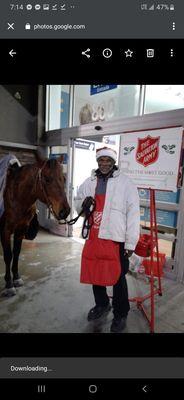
pixel 128 53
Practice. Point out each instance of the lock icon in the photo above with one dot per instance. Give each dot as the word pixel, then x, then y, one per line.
pixel 27 26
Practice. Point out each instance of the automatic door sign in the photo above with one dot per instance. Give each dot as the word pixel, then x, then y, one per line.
pixel 153 158
pixel 84 144
pixel 95 89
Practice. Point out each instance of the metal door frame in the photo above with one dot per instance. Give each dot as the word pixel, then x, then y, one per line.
pixel 119 126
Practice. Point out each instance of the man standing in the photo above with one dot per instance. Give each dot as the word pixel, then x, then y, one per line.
pixel 113 236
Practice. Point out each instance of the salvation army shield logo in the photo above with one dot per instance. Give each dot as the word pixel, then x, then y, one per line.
pixel 97 216
pixel 147 150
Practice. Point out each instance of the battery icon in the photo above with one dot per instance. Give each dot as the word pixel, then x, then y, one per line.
pixel 28 26
pixel 172 7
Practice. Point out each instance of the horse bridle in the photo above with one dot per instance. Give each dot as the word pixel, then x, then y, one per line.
pixel 86 224
pixel 88 220
pixel 48 202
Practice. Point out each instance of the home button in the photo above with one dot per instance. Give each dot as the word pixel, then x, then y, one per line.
pixel 93 389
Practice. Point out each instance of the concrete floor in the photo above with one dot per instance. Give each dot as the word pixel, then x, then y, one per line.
pixel 53 300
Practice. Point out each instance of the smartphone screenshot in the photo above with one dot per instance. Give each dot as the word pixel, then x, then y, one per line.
pixel 91 198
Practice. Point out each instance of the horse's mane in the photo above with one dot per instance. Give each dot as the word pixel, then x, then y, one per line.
pixel 14 169
pixel 52 163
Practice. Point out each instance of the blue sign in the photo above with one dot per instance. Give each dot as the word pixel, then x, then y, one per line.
pixel 65 157
pixel 167 197
pixel 95 89
pixel 165 218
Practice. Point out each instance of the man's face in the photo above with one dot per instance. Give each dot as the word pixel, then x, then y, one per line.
pixel 105 164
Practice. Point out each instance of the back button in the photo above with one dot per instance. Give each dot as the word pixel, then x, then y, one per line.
pixel 12 53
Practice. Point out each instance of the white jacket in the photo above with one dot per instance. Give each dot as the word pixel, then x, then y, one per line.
pixel 121 214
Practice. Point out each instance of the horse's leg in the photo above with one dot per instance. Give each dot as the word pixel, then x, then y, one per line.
pixel 17 281
pixel 6 244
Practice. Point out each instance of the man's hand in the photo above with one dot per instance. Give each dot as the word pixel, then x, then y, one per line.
pixel 87 203
pixel 128 253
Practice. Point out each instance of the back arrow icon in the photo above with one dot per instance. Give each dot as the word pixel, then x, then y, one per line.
pixel 12 53
pixel 145 388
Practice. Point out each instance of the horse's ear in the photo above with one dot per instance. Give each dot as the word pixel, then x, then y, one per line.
pixel 60 159
pixel 39 157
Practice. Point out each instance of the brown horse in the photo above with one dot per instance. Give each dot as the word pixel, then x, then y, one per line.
pixel 42 181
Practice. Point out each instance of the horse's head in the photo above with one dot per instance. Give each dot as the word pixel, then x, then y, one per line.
pixel 52 187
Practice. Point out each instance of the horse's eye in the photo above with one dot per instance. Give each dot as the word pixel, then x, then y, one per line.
pixel 47 179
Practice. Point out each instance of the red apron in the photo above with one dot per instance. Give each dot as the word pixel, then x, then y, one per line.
pixel 100 258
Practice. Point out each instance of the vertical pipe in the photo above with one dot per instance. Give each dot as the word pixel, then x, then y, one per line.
pixel 70 179
pixel 157 250
pixel 152 205
pixel 71 106
pixel 141 103
pixel 47 114
pixel 70 165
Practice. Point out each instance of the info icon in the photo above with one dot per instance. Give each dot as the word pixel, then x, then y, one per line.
pixel 107 53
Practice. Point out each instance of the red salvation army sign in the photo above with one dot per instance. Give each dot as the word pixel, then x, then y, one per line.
pixel 153 158
pixel 147 150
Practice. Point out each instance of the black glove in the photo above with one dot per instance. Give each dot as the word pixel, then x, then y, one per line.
pixel 87 203
pixel 128 253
